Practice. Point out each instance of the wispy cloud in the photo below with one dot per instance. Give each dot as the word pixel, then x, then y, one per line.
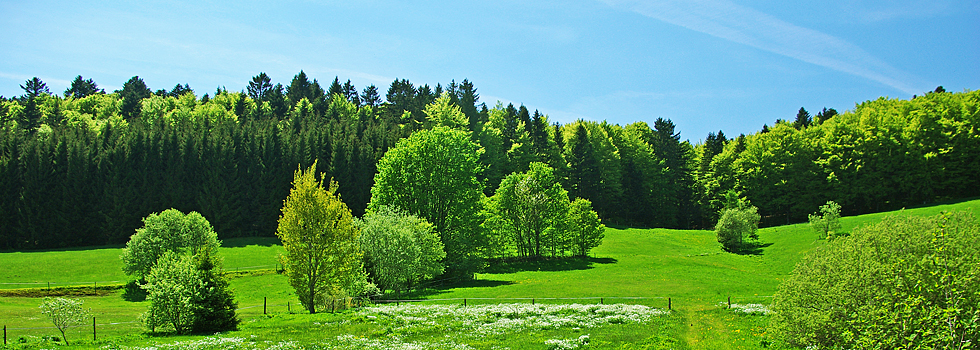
pixel 730 21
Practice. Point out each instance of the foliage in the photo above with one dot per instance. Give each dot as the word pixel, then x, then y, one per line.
pixel 169 231
pixel 171 287
pixel 433 174
pixel 736 225
pixel 323 254
pixel 83 170
pixel 64 313
pixel 905 282
pixel 584 227
pixel 827 222
pixel 400 250
pixel 177 257
pixel 531 208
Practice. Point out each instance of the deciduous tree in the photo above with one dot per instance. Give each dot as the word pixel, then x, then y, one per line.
pixel 400 249
pixel 323 253
pixel 433 174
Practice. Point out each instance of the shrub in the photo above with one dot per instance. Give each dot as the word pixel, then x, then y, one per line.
pixel 400 249
pixel 906 282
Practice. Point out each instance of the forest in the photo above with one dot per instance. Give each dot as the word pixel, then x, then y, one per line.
pixel 84 167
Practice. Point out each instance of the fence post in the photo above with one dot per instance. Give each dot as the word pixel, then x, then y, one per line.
pixel 265 303
pixel 93 328
pixel 601 301
pixel 287 308
pixel 464 301
pixel 729 302
pixel 668 303
pixel 333 305
pixel 4 334
pixel 532 301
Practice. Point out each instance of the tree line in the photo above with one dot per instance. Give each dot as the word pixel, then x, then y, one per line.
pixel 83 167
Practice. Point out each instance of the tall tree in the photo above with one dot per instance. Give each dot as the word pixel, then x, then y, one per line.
pixel 260 87
pixel 34 87
pixel 583 173
pixel 370 96
pixel 433 174
pixel 803 119
pixel 323 254
pixel 299 88
pixel 82 87
pixel 132 94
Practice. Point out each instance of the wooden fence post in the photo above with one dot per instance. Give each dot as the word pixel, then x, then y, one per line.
pixel 600 301
pixel 729 302
pixel 265 304
pixel 668 303
pixel 4 334
pixel 464 301
pixel 93 328
pixel 287 308
pixel 532 301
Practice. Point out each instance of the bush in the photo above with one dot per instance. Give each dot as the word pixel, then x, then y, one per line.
pixel 400 250
pixel 906 282
pixel 736 225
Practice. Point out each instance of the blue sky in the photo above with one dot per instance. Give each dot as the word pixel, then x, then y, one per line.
pixel 705 64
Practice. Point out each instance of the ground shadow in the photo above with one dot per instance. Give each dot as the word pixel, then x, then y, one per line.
pixel 241 242
pixel 445 287
pixel 750 248
pixel 545 264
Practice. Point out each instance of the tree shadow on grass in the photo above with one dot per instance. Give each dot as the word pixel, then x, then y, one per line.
pixel 545 264
pixel 241 242
pixel 750 248
pixel 436 289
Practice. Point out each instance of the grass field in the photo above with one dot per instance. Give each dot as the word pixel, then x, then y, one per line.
pixel 688 267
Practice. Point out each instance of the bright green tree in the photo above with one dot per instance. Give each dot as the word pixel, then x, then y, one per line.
pixel 528 204
pixel 433 174
pixel 902 283
pixel 736 225
pixel 323 253
pixel 827 222
pixel 64 313
pixel 172 286
pixel 443 113
pixel 585 230
pixel 400 249
pixel 169 231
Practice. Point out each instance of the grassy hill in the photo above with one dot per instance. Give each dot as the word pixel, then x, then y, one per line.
pixel 687 266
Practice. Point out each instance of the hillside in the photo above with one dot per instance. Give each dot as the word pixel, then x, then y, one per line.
pixel 687 266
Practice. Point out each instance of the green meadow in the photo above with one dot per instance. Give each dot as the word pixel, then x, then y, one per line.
pixel 632 266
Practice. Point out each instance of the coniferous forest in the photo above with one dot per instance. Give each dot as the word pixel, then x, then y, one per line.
pixel 83 167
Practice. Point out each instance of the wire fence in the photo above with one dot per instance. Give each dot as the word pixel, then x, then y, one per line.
pixel 96 284
pixel 346 303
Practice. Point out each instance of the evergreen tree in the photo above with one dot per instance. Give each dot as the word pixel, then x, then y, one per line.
pixel 80 88
pixel 299 88
pixel 370 96
pixel 132 94
pixel 350 93
pixel 802 119
pixel 583 174
pixel 34 87
pixel 260 88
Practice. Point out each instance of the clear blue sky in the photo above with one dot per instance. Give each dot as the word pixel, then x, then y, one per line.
pixel 705 64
